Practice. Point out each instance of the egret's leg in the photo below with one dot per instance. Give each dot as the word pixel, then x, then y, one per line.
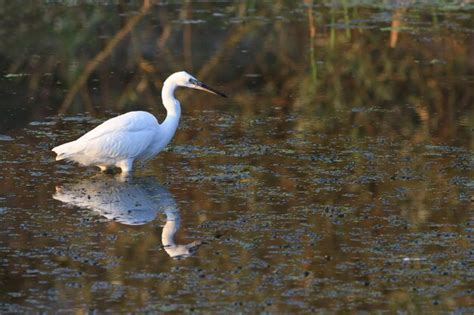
pixel 103 168
pixel 126 166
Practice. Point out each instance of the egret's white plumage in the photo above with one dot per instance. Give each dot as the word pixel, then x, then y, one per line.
pixel 134 136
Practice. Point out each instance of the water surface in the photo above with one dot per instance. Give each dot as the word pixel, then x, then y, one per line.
pixel 336 177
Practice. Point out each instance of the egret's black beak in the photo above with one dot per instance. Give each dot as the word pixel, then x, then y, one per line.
pixel 201 86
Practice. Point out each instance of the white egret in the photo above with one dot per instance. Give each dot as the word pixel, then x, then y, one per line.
pixel 134 136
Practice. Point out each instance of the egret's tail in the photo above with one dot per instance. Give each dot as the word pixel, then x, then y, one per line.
pixel 66 150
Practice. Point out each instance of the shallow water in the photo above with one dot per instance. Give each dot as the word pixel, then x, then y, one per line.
pixel 336 177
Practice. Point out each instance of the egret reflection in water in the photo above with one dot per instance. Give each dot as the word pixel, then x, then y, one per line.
pixel 136 201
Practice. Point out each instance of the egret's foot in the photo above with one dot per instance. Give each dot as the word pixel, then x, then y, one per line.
pixel 125 174
pixel 126 167
pixel 123 177
pixel 103 168
pixel 107 170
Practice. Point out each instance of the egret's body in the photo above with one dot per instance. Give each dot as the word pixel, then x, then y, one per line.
pixel 134 136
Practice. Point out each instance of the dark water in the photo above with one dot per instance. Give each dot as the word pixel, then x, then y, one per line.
pixel 336 177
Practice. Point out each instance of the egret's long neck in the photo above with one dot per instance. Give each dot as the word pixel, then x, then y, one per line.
pixel 173 108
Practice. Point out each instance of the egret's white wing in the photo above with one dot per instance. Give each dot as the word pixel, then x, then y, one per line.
pixel 130 122
pixel 123 137
pixel 118 145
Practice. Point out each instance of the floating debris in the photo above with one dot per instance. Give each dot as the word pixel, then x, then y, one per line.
pixel 16 75
pixel 6 138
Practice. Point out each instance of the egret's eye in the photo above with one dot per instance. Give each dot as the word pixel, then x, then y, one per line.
pixel 193 81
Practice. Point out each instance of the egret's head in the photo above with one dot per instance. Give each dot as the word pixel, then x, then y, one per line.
pixel 185 79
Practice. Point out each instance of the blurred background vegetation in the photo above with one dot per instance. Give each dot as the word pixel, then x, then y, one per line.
pixel 411 60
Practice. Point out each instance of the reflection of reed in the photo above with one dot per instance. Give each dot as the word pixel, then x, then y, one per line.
pixel 312 40
pixel 101 56
pixel 186 14
pixel 226 48
pixel 395 27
